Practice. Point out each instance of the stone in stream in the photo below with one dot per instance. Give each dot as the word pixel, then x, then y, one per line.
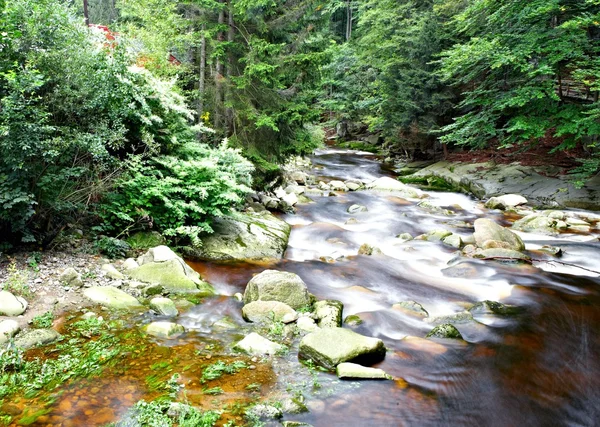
pixel 488 234
pixel 164 306
pixel 411 307
pixel 494 307
pixel 446 330
pixel 331 346
pixel 356 209
pixel 11 305
pixel 35 337
pixel 463 317
pixel 353 186
pixel 453 240
pixel 274 285
pixel 437 235
pixel 257 345
pixel 353 370
pixel 307 324
pixel 256 236
pixel 391 184
pixel 328 313
pixel 162 267
pixel 8 328
pixel 338 186
pixel 506 201
pixel 164 329
pixel 366 249
pixel 537 223
pixel 268 312
pixel 111 297
pixel 501 254
pixel 353 320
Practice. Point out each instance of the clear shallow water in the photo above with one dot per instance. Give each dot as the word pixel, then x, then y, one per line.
pixel 539 367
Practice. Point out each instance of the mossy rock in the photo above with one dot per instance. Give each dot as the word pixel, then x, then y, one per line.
pixel 446 330
pixel 172 276
pixel 494 307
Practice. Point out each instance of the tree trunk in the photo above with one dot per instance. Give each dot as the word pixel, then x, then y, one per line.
pixel 202 76
pixel 230 63
pixel 219 73
pixel 348 20
pixel 86 12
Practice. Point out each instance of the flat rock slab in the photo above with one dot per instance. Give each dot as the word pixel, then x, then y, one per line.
pixel 111 297
pixel 353 370
pixel 273 285
pixel 164 329
pixel 268 311
pixel 258 236
pixel 11 305
pixel 35 337
pixel 331 346
pixel 8 328
pixel 257 345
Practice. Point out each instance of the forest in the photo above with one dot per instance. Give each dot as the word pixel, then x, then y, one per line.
pixel 122 114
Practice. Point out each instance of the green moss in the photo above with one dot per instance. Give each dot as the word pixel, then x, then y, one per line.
pixel 445 331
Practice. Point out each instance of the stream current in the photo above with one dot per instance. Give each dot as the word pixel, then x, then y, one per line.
pixel 539 367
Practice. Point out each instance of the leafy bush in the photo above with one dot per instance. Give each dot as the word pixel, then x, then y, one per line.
pixel 70 110
pixel 112 247
pixel 179 193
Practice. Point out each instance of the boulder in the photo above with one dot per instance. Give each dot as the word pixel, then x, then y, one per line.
pixel 70 277
pixel 268 311
pixel 494 307
pixel 353 320
pixel 537 223
pixel 331 346
pixel 35 337
pixel 111 272
pixel 256 345
pixel 328 313
pixel 453 240
pixel 273 285
pixel 161 266
pixel 8 328
pixel 290 199
pixel 307 324
pixel 299 177
pixel 129 264
pixel 356 209
pixel 391 184
pixel 353 370
pixel 488 233
pixel 463 317
pixel 164 329
pixel 244 237
pixel 506 201
pixel 111 297
pixel 446 330
pixel 353 186
pixel 164 306
pixel 11 305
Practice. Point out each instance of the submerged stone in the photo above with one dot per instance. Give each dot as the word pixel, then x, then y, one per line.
pixel 257 345
pixel 164 329
pixel 111 297
pixel 411 307
pixel 446 330
pixel 353 370
pixel 35 337
pixel 331 346
pixel 274 285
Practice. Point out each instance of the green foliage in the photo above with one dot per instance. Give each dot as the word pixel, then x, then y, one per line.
pixel 179 193
pixel 509 62
pixel 43 320
pixel 112 247
pixel 217 369
pixel 17 281
pixel 213 391
pixel 70 110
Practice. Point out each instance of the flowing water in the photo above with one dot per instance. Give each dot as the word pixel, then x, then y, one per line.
pixel 537 367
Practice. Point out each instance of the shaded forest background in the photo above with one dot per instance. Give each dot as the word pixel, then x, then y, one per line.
pixel 165 114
